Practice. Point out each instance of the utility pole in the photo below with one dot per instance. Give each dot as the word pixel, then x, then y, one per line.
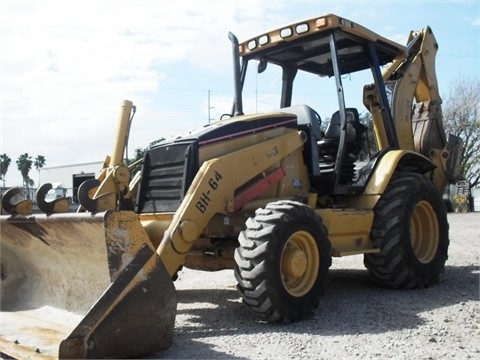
pixel 209 107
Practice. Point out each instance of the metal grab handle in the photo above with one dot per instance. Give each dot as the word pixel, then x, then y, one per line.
pixel 59 205
pixel 21 207
pixel 103 202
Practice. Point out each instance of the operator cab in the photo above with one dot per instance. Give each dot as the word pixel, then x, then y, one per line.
pixel 329 48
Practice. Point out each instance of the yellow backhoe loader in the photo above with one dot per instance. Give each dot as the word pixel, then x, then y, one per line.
pixel 273 196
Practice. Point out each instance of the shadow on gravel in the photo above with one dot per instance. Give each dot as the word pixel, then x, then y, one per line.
pixel 352 305
pixel 376 310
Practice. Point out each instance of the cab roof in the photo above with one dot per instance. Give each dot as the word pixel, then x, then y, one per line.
pixel 304 45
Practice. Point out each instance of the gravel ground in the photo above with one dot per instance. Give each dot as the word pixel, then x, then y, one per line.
pixel 355 320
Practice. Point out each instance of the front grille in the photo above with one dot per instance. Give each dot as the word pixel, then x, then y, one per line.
pixel 167 172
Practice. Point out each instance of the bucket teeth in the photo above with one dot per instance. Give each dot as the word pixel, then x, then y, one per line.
pixel 60 205
pixel 20 207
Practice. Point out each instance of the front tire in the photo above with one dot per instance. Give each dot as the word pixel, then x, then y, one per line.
pixel 411 229
pixel 282 261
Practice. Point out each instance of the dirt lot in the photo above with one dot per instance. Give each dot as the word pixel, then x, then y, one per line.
pixel 355 320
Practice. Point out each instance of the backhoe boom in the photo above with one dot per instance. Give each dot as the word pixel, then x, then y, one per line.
pixel 412 83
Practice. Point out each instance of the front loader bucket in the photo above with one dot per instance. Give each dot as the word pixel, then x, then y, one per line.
pixel 82 286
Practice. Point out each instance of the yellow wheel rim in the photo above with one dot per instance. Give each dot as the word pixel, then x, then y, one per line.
pixel 300 262
pixel 424 232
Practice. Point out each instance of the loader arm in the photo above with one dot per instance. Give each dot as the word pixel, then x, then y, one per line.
pixel 213 191
pixel 413 78
pixel 110 190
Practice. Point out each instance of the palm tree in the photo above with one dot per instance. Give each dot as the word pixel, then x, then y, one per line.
pixel 24 164
pixel 39 162
pixel 4 164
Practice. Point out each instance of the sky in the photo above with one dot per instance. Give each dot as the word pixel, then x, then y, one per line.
pixel 66 66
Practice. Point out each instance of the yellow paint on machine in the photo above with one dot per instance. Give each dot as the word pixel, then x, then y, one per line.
pixel 348 230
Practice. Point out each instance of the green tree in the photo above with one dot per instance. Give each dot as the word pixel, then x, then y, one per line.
pixel 24 165
pixel 461 110
pixel 4 164
pixel 39 162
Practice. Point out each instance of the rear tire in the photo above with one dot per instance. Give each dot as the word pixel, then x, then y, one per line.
pixel 283 261
pixel 411 229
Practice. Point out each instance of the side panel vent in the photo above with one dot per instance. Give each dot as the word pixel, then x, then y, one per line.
pixel 167 172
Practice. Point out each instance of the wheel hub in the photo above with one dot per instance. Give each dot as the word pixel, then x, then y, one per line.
pixel 294 262
pixel 299 263
pixel 424 232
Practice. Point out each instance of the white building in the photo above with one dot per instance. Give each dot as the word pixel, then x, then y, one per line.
pixel 67 178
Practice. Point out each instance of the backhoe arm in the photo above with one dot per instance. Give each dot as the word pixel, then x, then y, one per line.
pixel 419 125
pixel 415 78
pixel 213 191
